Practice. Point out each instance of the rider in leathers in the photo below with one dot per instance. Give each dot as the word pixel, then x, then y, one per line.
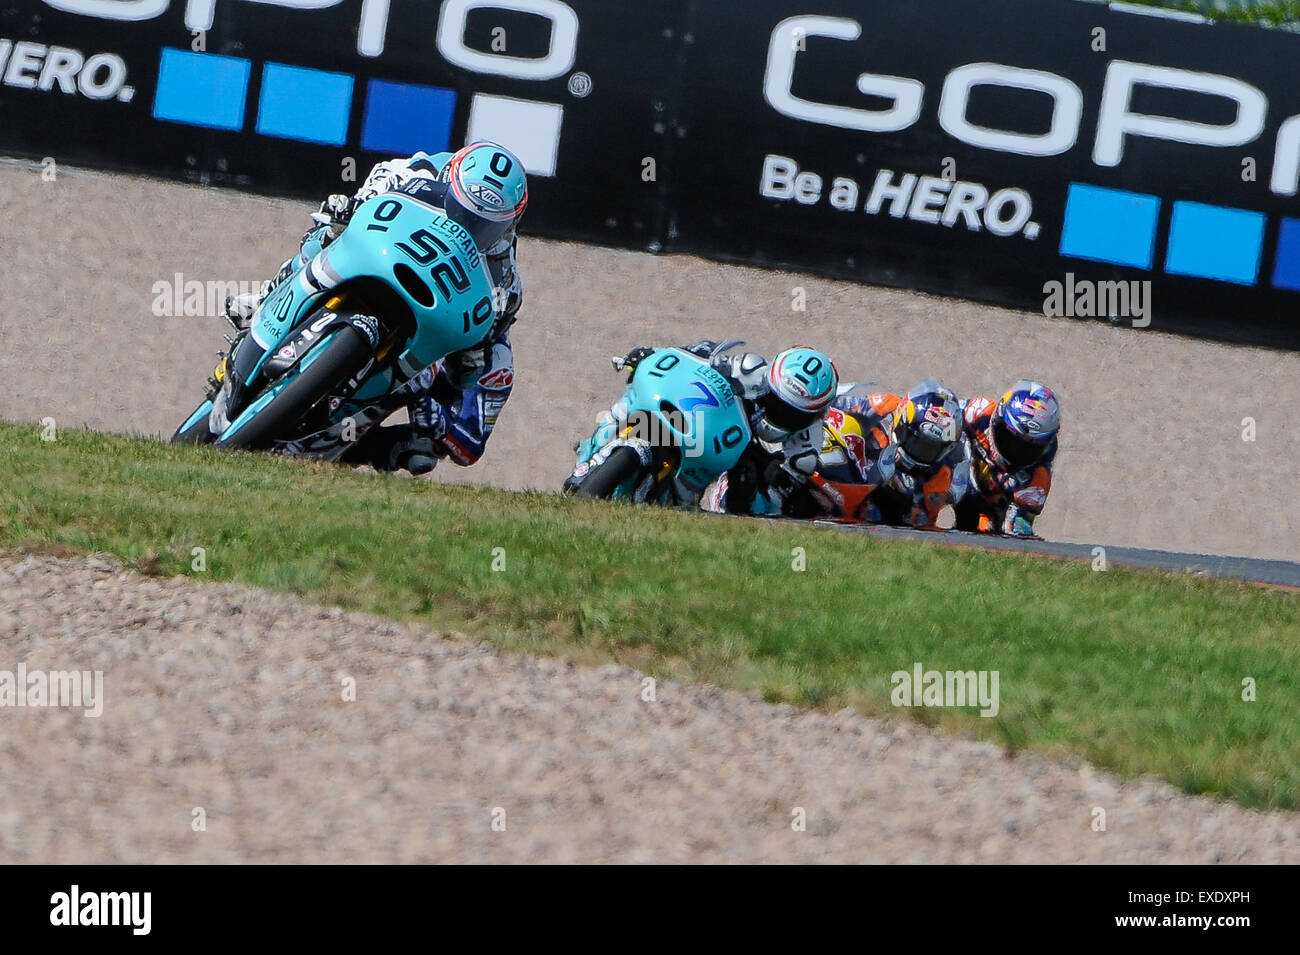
pixel 454 405
pixel 784 402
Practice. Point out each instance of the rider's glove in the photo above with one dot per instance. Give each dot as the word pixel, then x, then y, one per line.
pixel 429 419
pixel 702 349
pixel 632 359
pixel 905 484
pixel 462 367
pixel 1005 480
pixel 335 212
pixel 782 476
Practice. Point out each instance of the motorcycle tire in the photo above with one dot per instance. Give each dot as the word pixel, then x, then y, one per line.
pixel 608 476
pixel 341 356
pixel 196 433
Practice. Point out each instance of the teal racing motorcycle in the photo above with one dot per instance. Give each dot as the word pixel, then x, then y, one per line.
pixel 679 426
pixel 398 290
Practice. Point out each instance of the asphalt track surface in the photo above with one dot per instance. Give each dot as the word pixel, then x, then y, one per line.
pixel 1275 573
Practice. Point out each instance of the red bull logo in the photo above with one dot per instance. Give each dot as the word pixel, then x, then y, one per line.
pixel 857 448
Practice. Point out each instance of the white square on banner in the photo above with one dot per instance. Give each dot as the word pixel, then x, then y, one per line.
pixel 529 129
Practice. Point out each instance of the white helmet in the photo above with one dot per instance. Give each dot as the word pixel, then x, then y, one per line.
pixel 801 384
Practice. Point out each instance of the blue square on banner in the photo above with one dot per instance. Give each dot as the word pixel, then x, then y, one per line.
pixel 201 89
pixel 308 105
pixel 1286 269
pixel 404 118
pixel 1215 242
pixel 1110 225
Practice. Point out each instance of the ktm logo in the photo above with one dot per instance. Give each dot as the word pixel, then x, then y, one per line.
pixel 939 416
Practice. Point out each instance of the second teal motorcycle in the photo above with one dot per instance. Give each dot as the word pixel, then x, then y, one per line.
pixel 679 426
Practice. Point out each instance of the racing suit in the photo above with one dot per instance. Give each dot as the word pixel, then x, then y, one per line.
pixel 905 495
pixel 1000 500
pixel 452 406
pixel 768 472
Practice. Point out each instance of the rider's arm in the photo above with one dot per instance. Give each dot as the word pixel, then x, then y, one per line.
pixel 1027 503
pixel 390 174
pixel 794 467
pixel 931 493
pixel 879 403
pixel 505 277
pixel 801 450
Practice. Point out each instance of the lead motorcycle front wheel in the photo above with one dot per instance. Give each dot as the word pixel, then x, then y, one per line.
pixel 623 468
pixel 275 413
pixel 197 430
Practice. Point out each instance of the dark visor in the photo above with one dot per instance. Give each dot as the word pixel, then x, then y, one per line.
pixel 1017 451
pixel 925 448
pixel 784 416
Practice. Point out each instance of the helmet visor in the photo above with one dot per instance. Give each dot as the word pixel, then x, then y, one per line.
pixel 924 448
pixel 485 232
pixel 784 416
pixel 1017 450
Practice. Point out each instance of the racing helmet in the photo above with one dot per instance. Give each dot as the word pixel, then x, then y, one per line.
pixel 487 191
pixel 801 384
pixel 927 425
pixel 1024 425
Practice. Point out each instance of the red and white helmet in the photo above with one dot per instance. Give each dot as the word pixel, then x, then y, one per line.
pixel 801 385
pixel 487 191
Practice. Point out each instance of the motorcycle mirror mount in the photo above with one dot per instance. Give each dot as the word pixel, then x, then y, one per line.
pixel 724 347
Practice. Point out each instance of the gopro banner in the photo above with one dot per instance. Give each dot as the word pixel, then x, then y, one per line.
pixel 301 97
pixel 1047 154
pixel 1051 155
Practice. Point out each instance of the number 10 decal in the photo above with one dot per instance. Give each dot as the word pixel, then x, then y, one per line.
pixel 481 313
pixel 730 438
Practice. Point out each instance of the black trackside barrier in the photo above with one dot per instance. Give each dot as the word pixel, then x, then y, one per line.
pixel 285 99
pixel 1044 154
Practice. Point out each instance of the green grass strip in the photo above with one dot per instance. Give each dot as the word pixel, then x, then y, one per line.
pixel 1138 671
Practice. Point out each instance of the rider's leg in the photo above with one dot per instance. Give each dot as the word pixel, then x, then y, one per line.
pixel 973 514
pixel 395 447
